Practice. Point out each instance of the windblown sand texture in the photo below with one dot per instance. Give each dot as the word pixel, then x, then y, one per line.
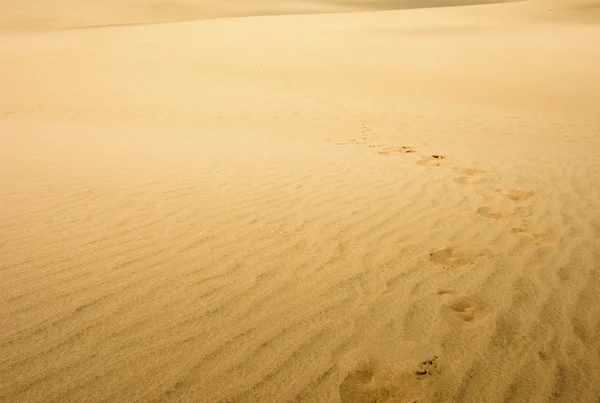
pixel 316 201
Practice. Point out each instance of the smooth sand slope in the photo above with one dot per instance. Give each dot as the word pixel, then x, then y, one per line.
pixel 65 14
pixel 395 206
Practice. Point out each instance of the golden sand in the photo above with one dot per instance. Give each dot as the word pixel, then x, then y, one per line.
pixel 377 205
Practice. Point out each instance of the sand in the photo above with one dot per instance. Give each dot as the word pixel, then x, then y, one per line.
pixel 376 205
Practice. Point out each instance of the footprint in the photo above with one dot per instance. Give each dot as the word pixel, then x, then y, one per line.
pixel 495 212
pixel 515 194
pixel 432 160
pixel 468 171
pixel 454 258
pixel 444 291
pixel 427 367
pixel 360 387
pixel 174 388
pixel 391 379
pixel 543 238
pixel 397 150
pixel 451 258
pixel 538 238
pixel 469 180
pixel 365 128
pixel 464 311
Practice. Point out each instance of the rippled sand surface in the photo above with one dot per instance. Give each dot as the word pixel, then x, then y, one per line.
pixel 375 206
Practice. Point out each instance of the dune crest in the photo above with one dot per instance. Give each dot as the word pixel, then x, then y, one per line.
pixel 66 14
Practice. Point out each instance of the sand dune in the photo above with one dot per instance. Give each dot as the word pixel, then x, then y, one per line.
pixel 390 206
pixel 66 14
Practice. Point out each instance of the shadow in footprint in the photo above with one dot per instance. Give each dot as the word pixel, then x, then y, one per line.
pixel 397 150
pixel 431 161
pixel 427 367
pixel 538 238
pixel 469 180
pixel 515 194
pixel 451 257
pixel 469 171
pixel 445 291
pixel 464 311
pixel 495 212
